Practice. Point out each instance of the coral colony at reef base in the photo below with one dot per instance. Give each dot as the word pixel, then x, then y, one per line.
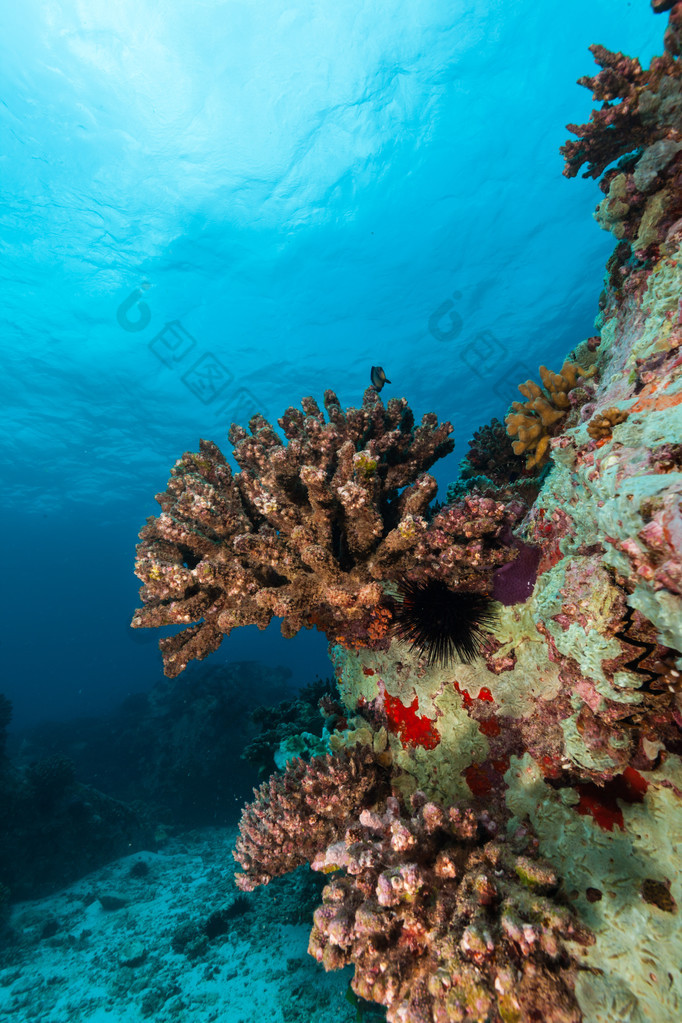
pixel 500 800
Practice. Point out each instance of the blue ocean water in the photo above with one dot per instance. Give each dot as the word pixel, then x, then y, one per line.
pixel 215 208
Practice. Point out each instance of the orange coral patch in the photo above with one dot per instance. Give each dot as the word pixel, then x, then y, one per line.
pixel 657 403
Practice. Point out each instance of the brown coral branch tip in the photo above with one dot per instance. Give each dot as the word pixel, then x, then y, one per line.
pixel 600 426
pixel 535 421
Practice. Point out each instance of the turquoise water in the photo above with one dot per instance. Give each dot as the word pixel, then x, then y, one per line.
pixel 301 193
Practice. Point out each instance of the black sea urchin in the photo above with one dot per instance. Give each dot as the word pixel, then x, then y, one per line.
pixel 441 623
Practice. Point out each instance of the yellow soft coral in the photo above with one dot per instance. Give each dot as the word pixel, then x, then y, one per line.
pixel 531 421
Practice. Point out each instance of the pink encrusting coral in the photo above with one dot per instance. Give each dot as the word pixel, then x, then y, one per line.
pixel 311 530
pixel 655 554
pixel 443 919
pixel 297 814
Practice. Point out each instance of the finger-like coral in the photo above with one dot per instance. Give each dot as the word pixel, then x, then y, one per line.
pixel 601 425
pixel 295 815
pixel 306 532
pixel 445 920
pixel 535 421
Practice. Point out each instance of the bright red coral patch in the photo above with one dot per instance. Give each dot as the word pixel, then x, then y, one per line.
pixel 478 780
pixel 601 803
pixel 412 728
pixel 484 694
pixel 466 699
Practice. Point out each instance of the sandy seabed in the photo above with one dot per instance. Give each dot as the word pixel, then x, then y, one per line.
pixel 127 943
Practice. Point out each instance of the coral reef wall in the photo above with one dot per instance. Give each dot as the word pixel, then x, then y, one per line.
pixel 503 830
pixel 571 720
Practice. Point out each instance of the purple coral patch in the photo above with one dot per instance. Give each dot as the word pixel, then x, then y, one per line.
pixel 513 583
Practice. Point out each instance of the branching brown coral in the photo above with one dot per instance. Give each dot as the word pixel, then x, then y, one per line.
pixel 616 128
pixel 297 814
pixel 601 425
pixel 640 125
pixel 443 920
pixel 306 532
pixel 628 118
pixel 535 421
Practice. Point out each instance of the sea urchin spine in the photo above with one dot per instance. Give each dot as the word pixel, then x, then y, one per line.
pixel 441 623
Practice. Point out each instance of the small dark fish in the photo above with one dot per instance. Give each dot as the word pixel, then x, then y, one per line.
pixel 378 377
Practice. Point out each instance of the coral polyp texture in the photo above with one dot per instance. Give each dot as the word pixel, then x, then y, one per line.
pixel 444 920
pixel 306 532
